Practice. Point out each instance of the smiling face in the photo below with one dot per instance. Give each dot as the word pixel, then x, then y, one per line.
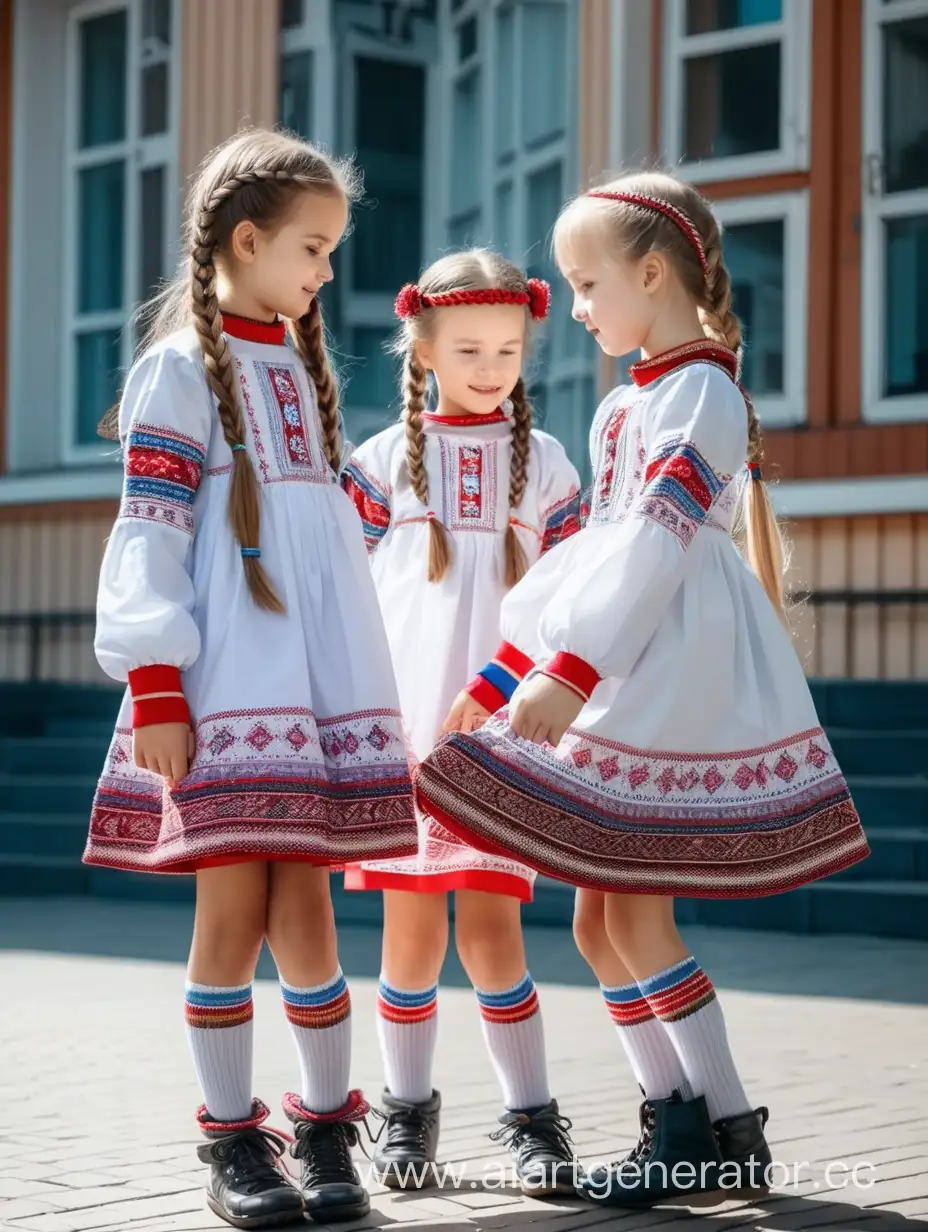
pixel 475 352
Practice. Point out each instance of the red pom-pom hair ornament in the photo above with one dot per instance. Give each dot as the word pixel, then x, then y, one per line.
pixel 539 298
pixel 409 302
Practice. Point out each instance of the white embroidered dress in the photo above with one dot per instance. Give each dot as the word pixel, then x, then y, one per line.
pixel 441 633
pixel 300 753
pixel 698 766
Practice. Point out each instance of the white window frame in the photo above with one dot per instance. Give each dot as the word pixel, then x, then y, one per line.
pixel 878 208
pixel 794 33
pixel 138 153
pixel 791 407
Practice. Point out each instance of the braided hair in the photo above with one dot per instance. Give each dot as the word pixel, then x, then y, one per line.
pixel 255 176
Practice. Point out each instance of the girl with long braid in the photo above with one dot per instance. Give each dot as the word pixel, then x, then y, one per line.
pixel 457 501
pixel 259 742
pixel 665 742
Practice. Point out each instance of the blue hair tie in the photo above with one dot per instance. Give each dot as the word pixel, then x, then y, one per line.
pixel 254 553
pixel 754 470
pixel 239 449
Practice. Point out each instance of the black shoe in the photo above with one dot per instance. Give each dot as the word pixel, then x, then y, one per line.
pixel 247 1188
pixel 677 1156
pixel 330 1183
pixel 538 1140
pixel 746 1157
pixel 406 1159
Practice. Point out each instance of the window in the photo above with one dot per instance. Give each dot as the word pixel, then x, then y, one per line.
pixel 766 251
pixel 736 86
pixel 895 221
pixel 120 217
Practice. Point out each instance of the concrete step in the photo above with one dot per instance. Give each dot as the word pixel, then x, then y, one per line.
pixel 883 753
pixel 25 707
pixel 33 876
pixel 53 756
pixel 43 834
pixel 101 729
pixel 900 800
pixel 883 705
pixel 896 854
pixel 69 794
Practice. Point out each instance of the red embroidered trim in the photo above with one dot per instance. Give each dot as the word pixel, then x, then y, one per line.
pixel 470 483
pixel 647 370
pixel 287 398
pixel 485 694
pixel 355 1108
pixel 465 421
pixel 573 672
pixel 254 331
pixel 513 660
pixel 259 1114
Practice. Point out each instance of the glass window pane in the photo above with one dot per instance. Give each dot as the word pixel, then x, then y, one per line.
pixel 156 22
pixel 543 199
pixel 905 104
pixel 544 72
pixel 291 14
pixel 504 220
pixel 373 373
pixel 705 15
pixel 155 99
pixel 103 79
pixel 151 231
pixel 465 142
pixel 389 136
pixel 906 307
pixel 504 80
pixel 101 196
pixel 755 255
pixel 98 372
pixel 296 92
pixel 731 102
pixel 464 232
pixel 467 39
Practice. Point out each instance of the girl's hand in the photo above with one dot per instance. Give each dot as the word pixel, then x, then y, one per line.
pixel 164 748
pixel 465 715
pixel 542 710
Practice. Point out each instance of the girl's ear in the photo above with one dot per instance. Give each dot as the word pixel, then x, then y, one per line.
pixel 244 241
pixel 653 272
pixel 424 354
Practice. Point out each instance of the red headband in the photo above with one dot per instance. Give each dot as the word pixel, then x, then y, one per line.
pixel 537 295
pixel 677 217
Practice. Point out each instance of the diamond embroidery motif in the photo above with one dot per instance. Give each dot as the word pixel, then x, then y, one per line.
pixel 785 768
pixel 608 768
pixel 638 775
pixel 220 741
pixel 259 738
pixel 743 777
pixel 666 780
pixel 297 738
pixel 713 779
pixel 816 755
pixel 582 758
pixel 351 743
pixel 378 738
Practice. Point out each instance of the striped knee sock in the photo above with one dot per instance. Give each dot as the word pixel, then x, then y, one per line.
pixel 649 1049
pixel 407 1027
pixel 220 1034
pixel 683 998
pixel 515 1039
pixel 320 1020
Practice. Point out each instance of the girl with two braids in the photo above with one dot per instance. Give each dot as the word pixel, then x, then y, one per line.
pixel 259 743
pixel 666 742
pixel 457 501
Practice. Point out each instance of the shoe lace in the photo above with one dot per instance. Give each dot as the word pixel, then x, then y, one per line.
pixel 532 1135
pixel 325 1151
pixel 248 1157
pixel 408 1129
pixel 647 1120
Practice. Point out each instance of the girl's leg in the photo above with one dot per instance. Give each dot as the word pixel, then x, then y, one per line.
pixel 415 939
pixel 228 932
pixel 301 936
pixel 644 934
pixel 649 1049
pixel 488 934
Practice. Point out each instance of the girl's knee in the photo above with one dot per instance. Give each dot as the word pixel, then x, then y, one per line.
pixel 488 937
pixel 590 934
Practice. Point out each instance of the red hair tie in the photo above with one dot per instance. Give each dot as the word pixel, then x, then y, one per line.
pixel 536 297
pixel 682 221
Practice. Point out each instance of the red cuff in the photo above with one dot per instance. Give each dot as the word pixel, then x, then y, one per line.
pixel 157 696
pixel 575 673
pixel 485 694
pixel 513 660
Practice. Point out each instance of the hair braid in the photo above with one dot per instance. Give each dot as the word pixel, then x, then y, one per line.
pixel 309 336
pixel 413 406
pixel 516 563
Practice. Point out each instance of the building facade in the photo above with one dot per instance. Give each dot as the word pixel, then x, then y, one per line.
pixel 805 122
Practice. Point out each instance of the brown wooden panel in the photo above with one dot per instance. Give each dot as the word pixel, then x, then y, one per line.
pixel 846 290
pixel 61 511
pixel 864 552
pixel 6 126
pixel 821 256
pixel 920 647
pixel 758 185
pixel 832 574
pixel 898 561
pixel 851 450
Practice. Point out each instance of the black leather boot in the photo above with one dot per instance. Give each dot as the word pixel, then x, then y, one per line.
pixel 406 1159
pixel 329 1181
pixel 539 1142
pixel 247 1188
pixel 677 1157
pixel 746 1157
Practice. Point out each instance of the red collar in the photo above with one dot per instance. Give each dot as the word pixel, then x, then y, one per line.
pixel 254 331
pixel 465 421
pixel 703 352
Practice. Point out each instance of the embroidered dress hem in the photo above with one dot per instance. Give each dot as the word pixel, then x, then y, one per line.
pixel 362 877
pixel 605 816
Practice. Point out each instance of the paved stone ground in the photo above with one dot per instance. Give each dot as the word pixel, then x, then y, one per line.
pixel 97 1091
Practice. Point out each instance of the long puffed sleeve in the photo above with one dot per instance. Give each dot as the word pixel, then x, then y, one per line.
pixel 559 491
pixel 616 592
pixel 366 480
pixel 146 633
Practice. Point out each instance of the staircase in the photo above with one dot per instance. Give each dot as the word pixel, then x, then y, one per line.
pixel 53 740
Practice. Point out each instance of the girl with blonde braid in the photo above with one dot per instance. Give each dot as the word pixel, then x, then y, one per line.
pixel 457 501
pixel 666 742
pixel 259 742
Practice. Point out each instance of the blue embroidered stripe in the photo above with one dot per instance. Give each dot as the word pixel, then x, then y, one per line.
pixel 569 509
pixel 510 996
pixel 670 490
pixel 622 994
pixel 667 979
pixel 500 679
pixel 357 476
pixel 676 447
pixel 208 997
pixel 142 439
pixel 412 1000
pixel 159 489
pixel 315 996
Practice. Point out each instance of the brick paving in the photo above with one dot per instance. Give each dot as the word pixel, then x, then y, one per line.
pixel 97 1090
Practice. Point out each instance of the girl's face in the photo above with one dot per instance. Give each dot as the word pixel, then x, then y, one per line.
pixel 280 270
pixel 616 299
pixel 475 351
